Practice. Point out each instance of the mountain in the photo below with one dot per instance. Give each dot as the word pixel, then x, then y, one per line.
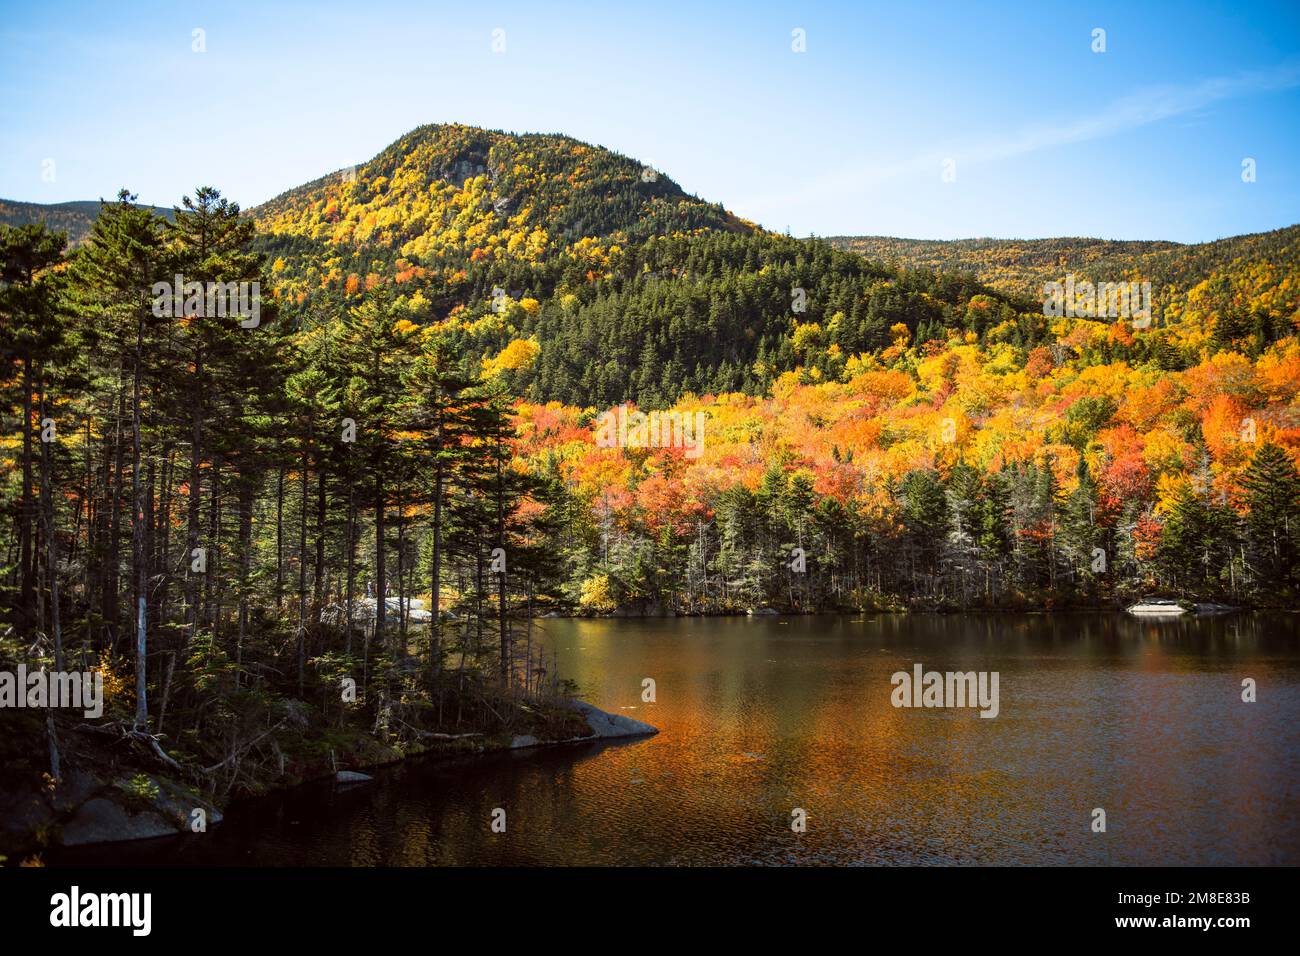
pixel 1021 266
pixel 610 279
pixel 444 191
pixel 73 218
pixel 582 276
pixel 629 287
pixel 923 439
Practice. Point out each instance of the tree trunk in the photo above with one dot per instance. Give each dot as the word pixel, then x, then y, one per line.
pixel 112 566
pixel 381 577
pixel 162 561
pixel 501 580
pixel 195 490
pixel 137 539
pixel 26 557
pixel 302 572
pixel 212 579
pixel 245 559
pixel 318 579
pixel 51 557
pixel 401 577
pixel 352 571
pixel 279 535
pixel 435 585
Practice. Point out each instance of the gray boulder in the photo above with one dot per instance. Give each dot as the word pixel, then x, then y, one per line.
pixel 100 820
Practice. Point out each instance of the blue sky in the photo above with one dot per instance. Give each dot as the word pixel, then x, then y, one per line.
pixel 1143 141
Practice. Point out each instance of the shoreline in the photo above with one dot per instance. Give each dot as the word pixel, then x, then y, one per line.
pixel 901 611
pixel 96 809
pixel 135 799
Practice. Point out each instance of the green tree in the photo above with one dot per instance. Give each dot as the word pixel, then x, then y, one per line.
pixel 1272 486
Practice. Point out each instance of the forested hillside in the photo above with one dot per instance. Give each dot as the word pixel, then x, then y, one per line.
pixel 74 219
pixel 201 503
pixel 941 387
pixel 628 287
pixel 1020 267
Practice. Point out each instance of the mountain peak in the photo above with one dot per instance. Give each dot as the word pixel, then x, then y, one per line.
pixel 449 193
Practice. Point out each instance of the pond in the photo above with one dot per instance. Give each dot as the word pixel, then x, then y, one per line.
pixel 763 718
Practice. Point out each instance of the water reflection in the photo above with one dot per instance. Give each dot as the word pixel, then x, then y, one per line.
pixel 759 716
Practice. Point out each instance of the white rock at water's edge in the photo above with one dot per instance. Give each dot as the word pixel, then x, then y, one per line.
pixel 603 724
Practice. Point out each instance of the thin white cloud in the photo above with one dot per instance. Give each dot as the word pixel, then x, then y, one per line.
pixel 1140 108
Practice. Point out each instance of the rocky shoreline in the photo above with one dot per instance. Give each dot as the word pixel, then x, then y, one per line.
pixel 603 724
pixel 85 809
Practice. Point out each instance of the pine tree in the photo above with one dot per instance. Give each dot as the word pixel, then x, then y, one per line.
pixel 1196 542
pixel 31 328
pixel 926 520
pixel 118 269
pixel 1080 533
pixel 1272 486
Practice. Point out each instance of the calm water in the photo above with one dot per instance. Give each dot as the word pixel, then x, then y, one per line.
pixel 760 716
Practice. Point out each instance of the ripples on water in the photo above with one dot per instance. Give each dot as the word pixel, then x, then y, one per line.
pixel 759 716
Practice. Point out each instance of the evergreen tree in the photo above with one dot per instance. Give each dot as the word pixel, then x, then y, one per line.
pixel 1272 486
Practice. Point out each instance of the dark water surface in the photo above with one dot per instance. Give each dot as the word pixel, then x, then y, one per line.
pixel 760 716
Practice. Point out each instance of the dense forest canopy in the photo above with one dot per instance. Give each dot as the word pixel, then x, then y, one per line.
pixel 73 219
pixel 207 510
pixel 1022 266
